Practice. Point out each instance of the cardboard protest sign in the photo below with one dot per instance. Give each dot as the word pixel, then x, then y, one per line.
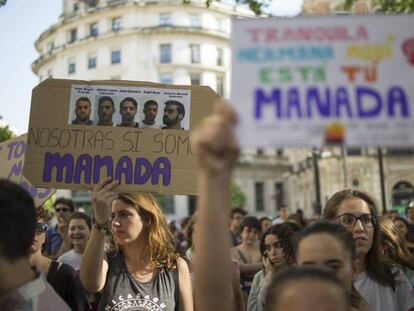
pixel 310 81
pixel 12 153
pixel 137 132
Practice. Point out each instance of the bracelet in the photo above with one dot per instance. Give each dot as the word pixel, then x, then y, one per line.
pixel 103 227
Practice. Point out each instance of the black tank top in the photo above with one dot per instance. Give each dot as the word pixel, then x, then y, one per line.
pixel 123 292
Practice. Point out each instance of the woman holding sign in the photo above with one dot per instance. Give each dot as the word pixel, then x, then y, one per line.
pixel 145 271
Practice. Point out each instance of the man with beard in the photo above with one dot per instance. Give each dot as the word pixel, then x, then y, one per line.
pixel 83 111
pixel 174 113
pixel 150 113
pixel 106 109
pixel 128 110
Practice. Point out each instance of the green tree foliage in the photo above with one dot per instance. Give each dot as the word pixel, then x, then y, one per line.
pixel 5 133
pixel 237 196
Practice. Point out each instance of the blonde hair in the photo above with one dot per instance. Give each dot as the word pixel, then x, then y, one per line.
pixel 158 240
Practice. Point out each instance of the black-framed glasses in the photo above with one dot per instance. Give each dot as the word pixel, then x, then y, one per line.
pixel 41 227
pixel 61 209
pixel 349 220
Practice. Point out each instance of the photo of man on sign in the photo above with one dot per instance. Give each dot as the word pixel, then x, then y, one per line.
pixel 174 113
pixel 83 111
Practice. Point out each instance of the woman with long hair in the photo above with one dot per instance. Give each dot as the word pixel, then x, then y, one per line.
pixel 330 245
pixel 145 271
pixel 394 248
pixel 381 286
pixel 276 246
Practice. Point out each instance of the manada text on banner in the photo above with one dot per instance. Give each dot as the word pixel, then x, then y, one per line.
pixel 136 132
pixel 312 81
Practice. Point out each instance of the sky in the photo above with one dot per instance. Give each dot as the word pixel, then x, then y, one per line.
pixel 21 23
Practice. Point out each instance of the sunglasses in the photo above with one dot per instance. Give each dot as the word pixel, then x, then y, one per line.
pixel 63 209
pixel 41 227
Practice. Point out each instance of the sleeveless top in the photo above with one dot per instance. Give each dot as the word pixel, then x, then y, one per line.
pixel 123 292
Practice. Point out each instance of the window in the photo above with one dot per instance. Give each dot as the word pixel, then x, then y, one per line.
pixel 194 20
pixel 219 57
pixel 259 196
pixel 165 53
pixel 165 19
pixel 279 195
pixel 93 30
pixel 71 66
pixel 50 46
pixel 220 24
pixel 116 24
pixel 166 78
pixel 75 7
pixel 195 79
pixel 49 74
pixel 220 86
pixel 195 53
pixel 91 61
pixel 115 57
pixel 72 35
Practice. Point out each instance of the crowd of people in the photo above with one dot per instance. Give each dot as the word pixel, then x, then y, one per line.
pixel 126 256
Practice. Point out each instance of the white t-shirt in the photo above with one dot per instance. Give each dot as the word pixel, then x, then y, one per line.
pixel 385 298
pixel 72 259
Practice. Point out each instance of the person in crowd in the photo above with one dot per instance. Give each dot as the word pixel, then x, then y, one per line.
pixel 381 286
pixel 174 113
pixel 283 215
pixel 79 230
pixel 150 112
pixel 63 278
pixel 145 268
pixel 330 245
pixel 217 150
pixel 296 219
pixel 392 214
pixel 83 111
pixel 409 214
pixel 236 218
pixel 57 240
pixel 128 109
pixel 21 288
pixel 237 293
pixel 106 110
pixel 276 246
pixel 176 234
pixel 394 248
pixel 265 223
pixel 306 288
pixel 402 227
pixel 248 253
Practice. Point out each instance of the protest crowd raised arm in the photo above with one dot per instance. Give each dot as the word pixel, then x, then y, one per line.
pixel 324 83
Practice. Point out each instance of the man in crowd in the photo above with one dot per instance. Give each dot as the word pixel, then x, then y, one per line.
pixel 174 113
pixel 106 110
pixel 21 288
pixel 283 215
pixel 83 111
pixel 150 113
pixel 236 218
pixel 128 110
pixel 57 240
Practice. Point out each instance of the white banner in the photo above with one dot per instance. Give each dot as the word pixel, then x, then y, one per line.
pixel 312 81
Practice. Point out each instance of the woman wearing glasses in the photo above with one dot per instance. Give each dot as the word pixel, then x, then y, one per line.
pixel 62 277
pixel 382 285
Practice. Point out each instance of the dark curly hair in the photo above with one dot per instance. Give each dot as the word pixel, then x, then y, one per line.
pixel 285 235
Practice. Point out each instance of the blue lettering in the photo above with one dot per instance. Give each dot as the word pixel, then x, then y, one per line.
pixel 124 167
pixel 83 165
pixel 60 163
pixel 363 112
pixel 262 99
pixel 293 102
pixel 397 96
pixel 313 97
pixel 342 100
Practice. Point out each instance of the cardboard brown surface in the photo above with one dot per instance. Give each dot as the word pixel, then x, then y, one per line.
pixel 82 148
pixel 12 154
